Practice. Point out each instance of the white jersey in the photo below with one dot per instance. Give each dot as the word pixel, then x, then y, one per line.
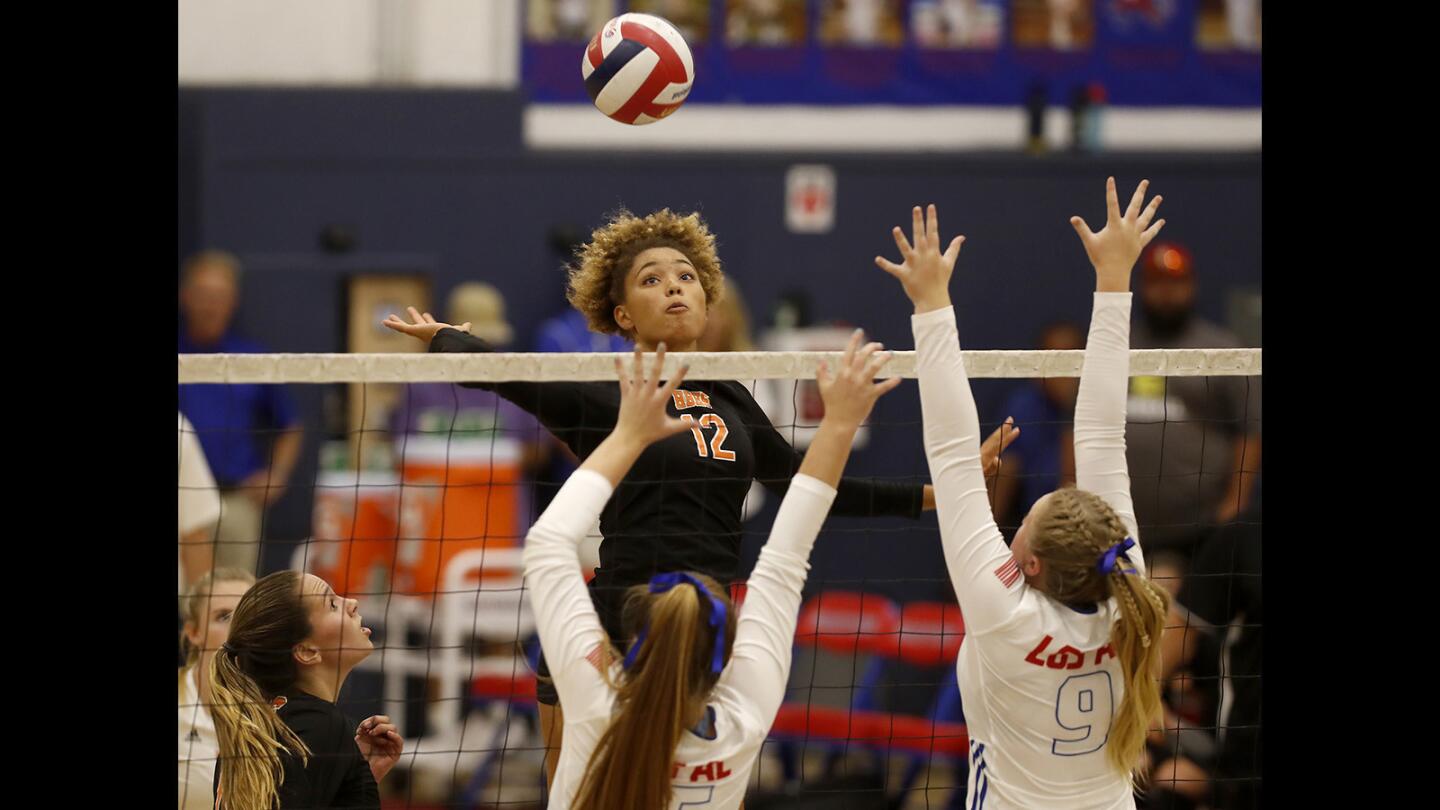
pixel 199 747
pixel 1038 680
pixel 708 772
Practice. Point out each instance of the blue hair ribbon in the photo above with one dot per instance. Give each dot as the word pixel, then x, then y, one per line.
pixel 1108 559
pixel 660 583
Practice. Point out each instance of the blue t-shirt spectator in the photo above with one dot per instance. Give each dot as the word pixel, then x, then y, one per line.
pixel 229 418
pixel 1044 428
pixel 569 333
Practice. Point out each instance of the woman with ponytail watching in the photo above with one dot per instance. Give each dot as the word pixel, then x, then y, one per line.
pixel 679 718
pixel 1059 669
pixel 283 742
pixel 206 608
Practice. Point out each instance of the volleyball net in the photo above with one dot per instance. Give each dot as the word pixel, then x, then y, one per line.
pixel 413 495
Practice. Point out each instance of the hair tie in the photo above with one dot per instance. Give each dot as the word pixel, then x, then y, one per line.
pixel 1108 559
pixel 660 583
pixel 229 648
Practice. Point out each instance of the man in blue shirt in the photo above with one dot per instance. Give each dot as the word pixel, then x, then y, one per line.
pixel 233 422
pixel 1045 460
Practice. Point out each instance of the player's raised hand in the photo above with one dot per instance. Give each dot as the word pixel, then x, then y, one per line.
pixel 850 391
pixel 421 326
pixel 997 443
pixel 642 419
pixel 1115 248
pixel 925 270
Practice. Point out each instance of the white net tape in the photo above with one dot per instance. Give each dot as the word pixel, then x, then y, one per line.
pixel 501 367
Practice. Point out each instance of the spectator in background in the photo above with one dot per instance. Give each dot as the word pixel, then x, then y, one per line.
pixel 1193 442
pixel 1065 18
pixel 206 608
pixel 690 17
pixel 765 22
pixel 1222 599
pixel 861 22
pixel 956 23
pixel 728 327
pixel 199 509
pixel 575 20
pixel 455 413
pixel 1243 18
pixel 229 419
pixel 1045 461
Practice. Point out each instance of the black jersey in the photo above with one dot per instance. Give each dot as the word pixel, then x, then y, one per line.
pixel 337 775
pixel 678 509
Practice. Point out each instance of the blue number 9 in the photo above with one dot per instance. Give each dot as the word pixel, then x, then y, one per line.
pixel 1085 704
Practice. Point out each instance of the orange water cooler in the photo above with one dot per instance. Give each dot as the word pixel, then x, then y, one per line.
pixel 356 518
pixel 457 494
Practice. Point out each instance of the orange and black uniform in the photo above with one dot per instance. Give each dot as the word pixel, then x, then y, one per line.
pixel 337 777
pixel 679 507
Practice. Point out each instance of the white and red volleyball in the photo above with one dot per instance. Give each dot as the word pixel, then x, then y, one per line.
pixel 638 69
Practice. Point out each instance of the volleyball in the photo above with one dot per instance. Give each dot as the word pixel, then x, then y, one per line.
pixel 638 69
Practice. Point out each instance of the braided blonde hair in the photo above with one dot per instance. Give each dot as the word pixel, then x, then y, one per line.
pixel 1071 534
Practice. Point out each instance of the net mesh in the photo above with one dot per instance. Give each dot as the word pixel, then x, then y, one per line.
pixel 413 496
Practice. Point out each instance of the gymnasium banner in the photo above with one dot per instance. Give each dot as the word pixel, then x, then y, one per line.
pixel 983 52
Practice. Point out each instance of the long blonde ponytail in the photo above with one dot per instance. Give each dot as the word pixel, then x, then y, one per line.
pixel 662 693
pixel 254 666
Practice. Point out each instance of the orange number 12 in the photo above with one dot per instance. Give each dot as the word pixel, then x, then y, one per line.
pixel 716 448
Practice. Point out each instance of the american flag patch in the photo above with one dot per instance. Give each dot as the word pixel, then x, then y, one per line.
pixel 1009 573
pixel 599 657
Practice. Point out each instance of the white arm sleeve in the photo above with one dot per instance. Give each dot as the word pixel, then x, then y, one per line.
pixel 1100 466
pixel 564 615
pixel 199 497
pixel 759 664
pixel 982 570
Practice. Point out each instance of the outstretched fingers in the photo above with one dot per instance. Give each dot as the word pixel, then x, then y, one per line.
pixel 1137 199
pixel 886 386
pixel 1112 201
pixel 849 356
pixel 906 251
pixel 877 362
pixel 860 362
pixel 1149 213
pixel 1151 232
pixel 674 382
pixel 889 267
pixel 653 379
pixel 953 252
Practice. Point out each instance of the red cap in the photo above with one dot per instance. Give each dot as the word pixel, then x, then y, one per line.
pixel 1167 260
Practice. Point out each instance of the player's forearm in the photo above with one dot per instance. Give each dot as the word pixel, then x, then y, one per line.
pixel 828 452
pixel 951 421
pixel 1245 468
pixel 760 663
pixel 1100 463
pixel 285 454
pixel 614 457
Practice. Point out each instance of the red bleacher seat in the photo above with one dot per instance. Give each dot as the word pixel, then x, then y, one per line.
pixel 931 633
pixel 883 730
pixel 849 621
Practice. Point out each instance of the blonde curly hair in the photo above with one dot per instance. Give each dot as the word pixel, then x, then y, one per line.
pixel 597 281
